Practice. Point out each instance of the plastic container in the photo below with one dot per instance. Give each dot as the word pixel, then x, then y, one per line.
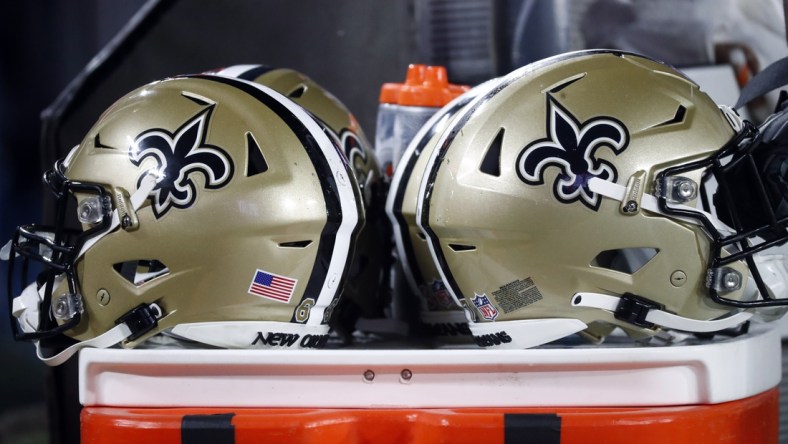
pixel 405 107
pixel 703 392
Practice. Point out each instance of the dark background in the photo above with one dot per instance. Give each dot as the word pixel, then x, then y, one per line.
pixel 43 46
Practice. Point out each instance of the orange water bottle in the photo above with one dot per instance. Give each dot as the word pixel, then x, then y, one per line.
pixel 405 107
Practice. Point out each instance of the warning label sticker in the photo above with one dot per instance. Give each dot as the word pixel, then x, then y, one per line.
pixel 516 295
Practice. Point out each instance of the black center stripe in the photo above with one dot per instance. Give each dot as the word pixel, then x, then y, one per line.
pixel 208 429
pixel 255 72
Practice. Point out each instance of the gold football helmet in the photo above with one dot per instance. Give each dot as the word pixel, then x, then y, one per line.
pixel 578 195
pixel 365 293
pixel 210 207
pixel 439 314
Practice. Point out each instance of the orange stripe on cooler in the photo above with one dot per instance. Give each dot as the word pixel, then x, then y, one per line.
pixel 750 420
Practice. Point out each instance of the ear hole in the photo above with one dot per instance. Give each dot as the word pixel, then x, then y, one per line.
pixel 459 247
pixel 624 260
pixel 142 271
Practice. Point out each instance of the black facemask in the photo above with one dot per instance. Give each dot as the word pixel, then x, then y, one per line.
pixel 751 198
pixel 54 249
pixel 757 183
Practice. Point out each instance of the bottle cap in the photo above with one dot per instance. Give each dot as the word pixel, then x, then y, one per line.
pixel 424 86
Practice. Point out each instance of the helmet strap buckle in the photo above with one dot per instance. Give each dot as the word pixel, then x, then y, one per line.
pixel 634 309
pixel 141 319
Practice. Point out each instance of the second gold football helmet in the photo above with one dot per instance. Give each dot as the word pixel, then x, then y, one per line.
pixel 576 195
pixel 438 312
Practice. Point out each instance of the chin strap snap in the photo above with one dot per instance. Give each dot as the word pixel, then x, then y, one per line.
pixel 649 315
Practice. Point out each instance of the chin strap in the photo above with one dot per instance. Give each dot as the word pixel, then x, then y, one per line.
pixel 113 336
pixel 131 326
pixel 26 305
pixel 646 314
pixel 135 323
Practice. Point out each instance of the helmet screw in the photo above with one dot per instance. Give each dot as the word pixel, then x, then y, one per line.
pixel 406 374
pixel 731 280
pixel 341 178
pixel 61 309
pixel 332 281
pixel 125 222
pixel 67 306
pixel 686 189
pixel 678 278
pixel 369 375
pixel 724 279
pixel 103 297
pixel 631 207
pixel 681 189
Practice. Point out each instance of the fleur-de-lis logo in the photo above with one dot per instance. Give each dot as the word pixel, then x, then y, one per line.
pixel 357 157
pixel 571 146
pixel 349 146
pixel 179 156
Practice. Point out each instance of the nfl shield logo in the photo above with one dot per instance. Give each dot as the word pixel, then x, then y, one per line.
pixel 486 309
pixel 441 294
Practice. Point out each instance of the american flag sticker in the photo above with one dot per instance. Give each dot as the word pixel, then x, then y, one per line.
pixel 272 286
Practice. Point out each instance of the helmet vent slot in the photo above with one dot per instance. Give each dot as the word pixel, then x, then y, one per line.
pixel 459 247
pixel 198 99
pixel 566 82
pixel 296 244
pixel 491 164
pixel 681 112
pixel 624 260
pixel 298 92
pixel 142 271
pixel 256 163
pixel 97 143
